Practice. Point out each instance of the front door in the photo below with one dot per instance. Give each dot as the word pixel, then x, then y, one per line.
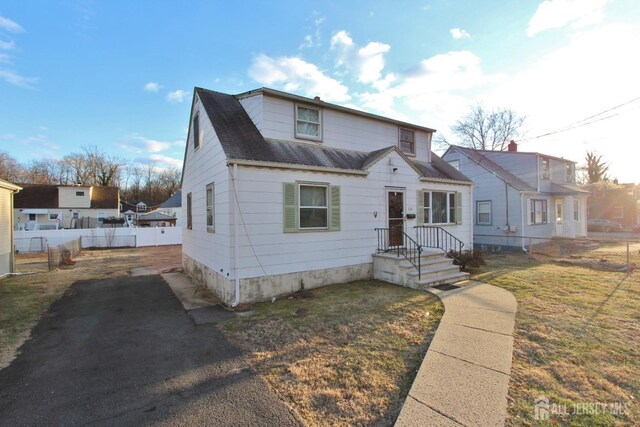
pixel 559 217
pixel 395 214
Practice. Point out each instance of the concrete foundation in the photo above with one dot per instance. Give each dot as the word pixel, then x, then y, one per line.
pixel 256 289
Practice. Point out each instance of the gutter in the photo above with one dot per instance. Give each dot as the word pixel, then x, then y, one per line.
pixel 292 166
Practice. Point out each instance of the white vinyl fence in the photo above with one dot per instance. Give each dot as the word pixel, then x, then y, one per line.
pixel 40 240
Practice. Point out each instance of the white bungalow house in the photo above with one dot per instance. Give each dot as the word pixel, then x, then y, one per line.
pixel 7 190
pixel 521 198
pixel 282 192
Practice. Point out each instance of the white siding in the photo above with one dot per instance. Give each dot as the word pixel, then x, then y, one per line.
pixel 205 165
pixel 254 108
pixel 67 197
pixel 270 251
pixel 339 129
pixel 5 221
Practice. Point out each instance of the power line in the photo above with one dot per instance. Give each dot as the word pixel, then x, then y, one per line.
pixel 584 122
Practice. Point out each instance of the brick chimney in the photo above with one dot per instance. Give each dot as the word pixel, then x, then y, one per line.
pixel 512 146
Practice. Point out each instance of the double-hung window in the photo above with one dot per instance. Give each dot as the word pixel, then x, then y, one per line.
pixel 546 168
pixel 439 207
pixel 483 213
pixel 568 173
pixel 189 216
pixel 210 206
pixel 196 132
pixel 538 212
pixel 407 141
pixel 308 123
pixel 311 206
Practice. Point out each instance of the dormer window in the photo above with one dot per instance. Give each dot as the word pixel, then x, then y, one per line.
pixel 407 141
pixel 308 123
pixel 545 168
pixel 568 173
pixel 141 207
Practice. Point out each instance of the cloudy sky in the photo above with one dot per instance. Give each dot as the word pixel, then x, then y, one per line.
pixel 120 74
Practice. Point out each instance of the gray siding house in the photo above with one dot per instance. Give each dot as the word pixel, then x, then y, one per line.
pixel 521 198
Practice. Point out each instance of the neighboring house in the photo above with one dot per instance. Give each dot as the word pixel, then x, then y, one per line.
pixel 130 211
pixel 282 192
pixel 615 202
pixel 7 191
pixel 173 207
pixel 50 207
pixel 156 219
pixel 520 195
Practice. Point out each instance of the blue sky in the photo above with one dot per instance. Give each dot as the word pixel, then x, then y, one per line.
pixel 120 74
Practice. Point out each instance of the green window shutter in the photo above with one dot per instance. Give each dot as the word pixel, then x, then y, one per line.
pixel 458 208
pixel 334 208
pixel 290 207
pixel 420 207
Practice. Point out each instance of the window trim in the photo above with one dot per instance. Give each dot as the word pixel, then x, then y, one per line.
pixel 296 120
pixel 413 143
pixel 450 195
pixel 487 202
pixel 325 207
pixel 196 132
pixel 53 219
pixel 189 211
pixel 545 212
pixel 211 228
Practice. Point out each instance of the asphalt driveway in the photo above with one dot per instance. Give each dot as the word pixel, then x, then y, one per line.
pixel 123 351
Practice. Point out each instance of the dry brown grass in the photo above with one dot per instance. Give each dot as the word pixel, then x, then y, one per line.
pixel 23 299
pixel 577 338
pixel 348 356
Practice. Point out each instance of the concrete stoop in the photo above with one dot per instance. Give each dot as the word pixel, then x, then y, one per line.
pixel 436 269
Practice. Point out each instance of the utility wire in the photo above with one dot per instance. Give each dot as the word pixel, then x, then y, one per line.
pixel 584 122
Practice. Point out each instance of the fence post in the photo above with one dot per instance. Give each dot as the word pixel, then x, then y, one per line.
pixel 628 259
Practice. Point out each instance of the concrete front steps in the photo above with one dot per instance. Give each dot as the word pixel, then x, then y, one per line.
pixel 437 269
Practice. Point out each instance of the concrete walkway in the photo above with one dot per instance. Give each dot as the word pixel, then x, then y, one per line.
pixel 464 378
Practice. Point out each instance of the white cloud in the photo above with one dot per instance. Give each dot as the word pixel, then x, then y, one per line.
pixel 166 161
pixel 343 44
pixel 371 61
pixel 295 74
pixel 152 87
pixel 17 80
pixel 9 25
pixel 459 33
pixel 553 14
pixel 176 95
pixel 5 59
pixel 7 45
pixel 137 143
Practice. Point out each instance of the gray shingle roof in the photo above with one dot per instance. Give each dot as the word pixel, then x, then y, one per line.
pixel 174 201
pixel 241 140
pixel 489 164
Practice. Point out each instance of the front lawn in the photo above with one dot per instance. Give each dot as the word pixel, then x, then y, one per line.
pixel 577 341
pixel 347 355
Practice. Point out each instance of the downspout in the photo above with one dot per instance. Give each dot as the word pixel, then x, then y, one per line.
pixel 236 235
pixel 523 213
pixel 12 256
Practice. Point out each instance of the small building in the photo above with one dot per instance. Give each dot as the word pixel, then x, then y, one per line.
pixel 521 197
pixel 156 219
pixel 283 193
pixel 130 211
pixel 173 207
pixel 7 191
pixel 51 207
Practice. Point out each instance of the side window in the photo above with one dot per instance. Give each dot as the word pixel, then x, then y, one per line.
pixel 545 168
pixel 483 213
pixel 439 207
pixel 210 208
pixel 189 218
pixel 196 132
pixel 538 213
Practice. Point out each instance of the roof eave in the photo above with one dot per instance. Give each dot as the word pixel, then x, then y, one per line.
pixel 293 166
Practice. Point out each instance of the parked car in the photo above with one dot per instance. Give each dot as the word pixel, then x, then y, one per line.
pixel 603 225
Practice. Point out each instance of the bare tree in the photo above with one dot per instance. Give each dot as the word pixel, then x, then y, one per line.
pixel 488 130
pixel 10 169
